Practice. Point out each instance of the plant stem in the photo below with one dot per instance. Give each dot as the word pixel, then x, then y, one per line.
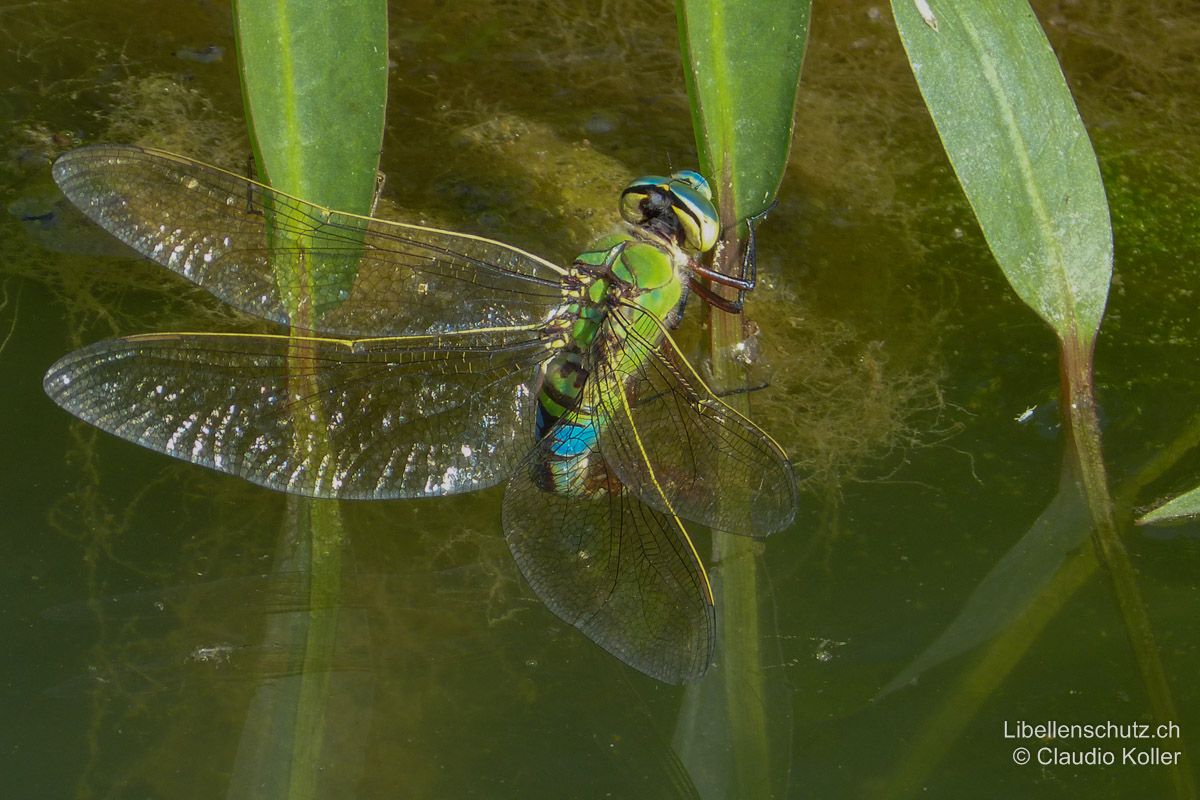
pixel 1083 431
pixel 737 559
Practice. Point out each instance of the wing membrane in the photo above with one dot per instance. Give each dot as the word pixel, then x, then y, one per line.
pixel 623 573
pixel 210 226
pixel 683 450
pixel 376 418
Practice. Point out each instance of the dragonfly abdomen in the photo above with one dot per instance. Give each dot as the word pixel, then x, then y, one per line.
pixel 562 389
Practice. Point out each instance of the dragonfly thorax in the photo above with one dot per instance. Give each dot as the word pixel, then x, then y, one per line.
pixel 627 270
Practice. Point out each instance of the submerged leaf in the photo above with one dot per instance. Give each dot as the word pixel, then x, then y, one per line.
pixel 1012 585
pixel 1177 508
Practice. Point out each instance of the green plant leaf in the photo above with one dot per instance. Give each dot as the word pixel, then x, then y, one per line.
pixel 1177 508
pixel 1014 137
pixel 742 62
pixel 314 81
pixel 1010 128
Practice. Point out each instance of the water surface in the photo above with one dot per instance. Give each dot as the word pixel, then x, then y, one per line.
pixel 152 610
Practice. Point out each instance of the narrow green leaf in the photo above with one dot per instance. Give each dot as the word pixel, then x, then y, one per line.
pixel 1014 137
pixel 742 62
pixel 314 82
pixel 1177 508
pixel 314 78
pixel 1010 128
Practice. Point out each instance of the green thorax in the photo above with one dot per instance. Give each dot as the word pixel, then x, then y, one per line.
pixel 629 287
pixel 634 271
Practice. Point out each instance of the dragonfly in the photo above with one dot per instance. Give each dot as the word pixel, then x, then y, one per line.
pixel 448 363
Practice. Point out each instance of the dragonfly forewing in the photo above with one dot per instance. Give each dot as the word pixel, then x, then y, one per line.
pixel 225 232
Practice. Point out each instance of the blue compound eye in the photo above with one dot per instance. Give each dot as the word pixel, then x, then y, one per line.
pixel 694 180
pixel 684 199
pixel 695 210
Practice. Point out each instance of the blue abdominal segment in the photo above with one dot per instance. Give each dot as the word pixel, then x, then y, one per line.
pixel 570 440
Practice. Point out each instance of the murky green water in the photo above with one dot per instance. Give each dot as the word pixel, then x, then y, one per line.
pixel 153 612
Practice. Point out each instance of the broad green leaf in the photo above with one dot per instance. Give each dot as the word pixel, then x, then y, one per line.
pixel 1015 139
pixel 314 81
pixel 742 62
pixel 1185 505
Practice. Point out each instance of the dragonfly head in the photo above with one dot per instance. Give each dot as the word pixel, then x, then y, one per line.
pixel 678 208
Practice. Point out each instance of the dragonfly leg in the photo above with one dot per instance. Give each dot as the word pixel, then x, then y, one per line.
pixel 676 315
pixel 717 301
pixel 743 282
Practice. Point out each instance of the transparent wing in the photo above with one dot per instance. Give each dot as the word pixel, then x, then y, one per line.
pixel 383 418
pixel 210 226
pixel 681 449
pixel 623 573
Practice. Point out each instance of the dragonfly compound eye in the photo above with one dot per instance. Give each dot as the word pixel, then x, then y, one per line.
pixel 692 203
pixel 645 199
pixel 695 180
pixel 679 207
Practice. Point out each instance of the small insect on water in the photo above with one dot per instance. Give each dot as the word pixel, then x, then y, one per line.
pixel 420 362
